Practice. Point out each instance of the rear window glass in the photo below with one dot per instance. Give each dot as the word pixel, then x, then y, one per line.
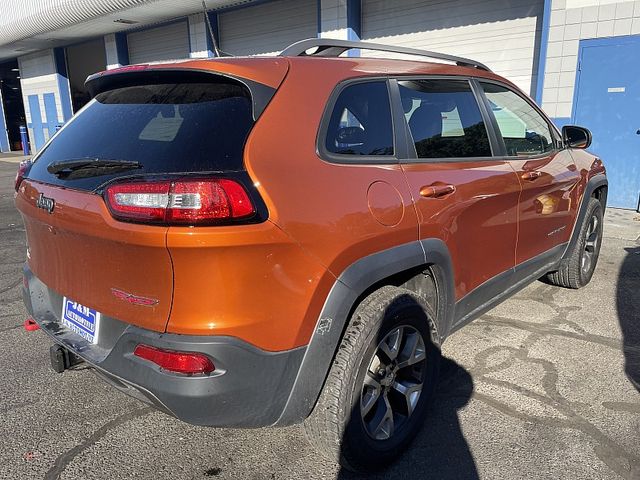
pixel 167 128
pixel 360 123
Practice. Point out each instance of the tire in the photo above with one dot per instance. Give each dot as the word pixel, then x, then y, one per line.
pixel 577 268
pixel 344 425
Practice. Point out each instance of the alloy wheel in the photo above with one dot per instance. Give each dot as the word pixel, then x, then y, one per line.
pixel 393 382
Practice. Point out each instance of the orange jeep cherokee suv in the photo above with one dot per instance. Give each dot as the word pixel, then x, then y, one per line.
pixel 263 241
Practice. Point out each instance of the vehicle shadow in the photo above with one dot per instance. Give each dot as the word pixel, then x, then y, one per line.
pixel 440 449
pixel 628 306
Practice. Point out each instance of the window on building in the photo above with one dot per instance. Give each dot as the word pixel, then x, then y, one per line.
pixel 360 123
pixel 524 130
pixel 444 119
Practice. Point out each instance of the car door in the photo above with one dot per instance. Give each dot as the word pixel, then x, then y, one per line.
pixel 548 174
pixel 463 194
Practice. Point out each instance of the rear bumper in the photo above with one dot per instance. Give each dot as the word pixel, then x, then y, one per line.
pixel 249 387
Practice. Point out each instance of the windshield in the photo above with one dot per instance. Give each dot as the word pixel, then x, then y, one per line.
pixel 163 128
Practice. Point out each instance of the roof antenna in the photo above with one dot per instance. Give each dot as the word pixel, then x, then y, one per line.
pixel 214 43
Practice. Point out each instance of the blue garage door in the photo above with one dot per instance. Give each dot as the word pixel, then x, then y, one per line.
pixel 607 101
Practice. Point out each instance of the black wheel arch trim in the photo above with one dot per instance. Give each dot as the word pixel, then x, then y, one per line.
pixel 348 289
pixel 366 272
pixel 595 182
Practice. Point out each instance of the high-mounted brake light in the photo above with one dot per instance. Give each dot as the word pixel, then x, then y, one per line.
pixel 22 171
pixel 188 363
pixel 184 202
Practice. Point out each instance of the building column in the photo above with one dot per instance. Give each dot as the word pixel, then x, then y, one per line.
pixel 200 44
pixel 340 19
pixel 4 137
pixel 63 83
pixel 542 54
pixel 116 49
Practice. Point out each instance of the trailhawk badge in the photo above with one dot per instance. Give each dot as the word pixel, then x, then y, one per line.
pixel 45 203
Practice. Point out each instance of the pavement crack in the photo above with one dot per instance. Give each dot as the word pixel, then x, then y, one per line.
pixel 67 457
pixel 7 329
pixel 10 287
pixel 28 403
pixel 622 407
pixel 545 329
pixel 611 453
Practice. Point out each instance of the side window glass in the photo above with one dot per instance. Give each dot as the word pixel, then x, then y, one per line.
pixel 444 119
pixel 360 123
pixel 524 130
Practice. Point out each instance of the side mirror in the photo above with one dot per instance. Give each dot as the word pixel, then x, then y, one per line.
pixel 576 137
pixel 350 136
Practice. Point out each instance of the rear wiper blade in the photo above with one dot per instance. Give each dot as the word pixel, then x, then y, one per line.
pixel 66 167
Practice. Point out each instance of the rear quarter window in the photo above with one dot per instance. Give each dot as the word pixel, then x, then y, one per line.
pixel 360 122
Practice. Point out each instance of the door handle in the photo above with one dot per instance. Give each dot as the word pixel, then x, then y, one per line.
pixel 531 176
pixel 437 191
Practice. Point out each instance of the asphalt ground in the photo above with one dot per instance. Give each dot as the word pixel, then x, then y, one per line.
pixel 534 389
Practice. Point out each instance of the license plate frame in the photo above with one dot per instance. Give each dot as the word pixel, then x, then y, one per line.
pixel 81 320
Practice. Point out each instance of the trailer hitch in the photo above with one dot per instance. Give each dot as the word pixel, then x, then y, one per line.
pixel 62 359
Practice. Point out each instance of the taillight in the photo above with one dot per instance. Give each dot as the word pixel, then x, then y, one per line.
pixel 139 201
pixel 22 171
pixel 183 202
pixel 188 363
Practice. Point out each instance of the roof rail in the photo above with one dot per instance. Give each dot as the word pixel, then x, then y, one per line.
pixel 328 47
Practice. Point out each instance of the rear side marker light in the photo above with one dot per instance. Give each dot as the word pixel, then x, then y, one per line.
pixel 188 363
pixel 185 202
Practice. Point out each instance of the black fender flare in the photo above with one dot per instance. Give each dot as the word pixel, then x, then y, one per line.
pixel 344 295
pixel 595 182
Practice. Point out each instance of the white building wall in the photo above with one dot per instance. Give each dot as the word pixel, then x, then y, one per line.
pixel 572 21
pixel 268 28
pixel 198 33
pixel 502 35
pixel 333 14
pixel 111 51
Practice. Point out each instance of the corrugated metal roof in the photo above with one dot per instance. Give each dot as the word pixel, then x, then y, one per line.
pixel 30 25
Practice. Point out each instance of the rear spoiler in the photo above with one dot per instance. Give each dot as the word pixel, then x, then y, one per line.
pixel 132 75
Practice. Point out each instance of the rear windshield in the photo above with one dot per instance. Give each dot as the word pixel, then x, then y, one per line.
pixel 166 128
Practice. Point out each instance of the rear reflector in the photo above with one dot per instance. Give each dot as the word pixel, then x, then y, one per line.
pixel 188 363
pixel 184 202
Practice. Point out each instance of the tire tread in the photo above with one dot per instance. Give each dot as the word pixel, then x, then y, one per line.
pixel 326 425
pixel 569 273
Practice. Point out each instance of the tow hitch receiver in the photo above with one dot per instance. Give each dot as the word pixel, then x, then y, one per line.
pixel 62 359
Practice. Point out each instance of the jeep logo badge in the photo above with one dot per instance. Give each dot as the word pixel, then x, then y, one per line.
pixel 45 203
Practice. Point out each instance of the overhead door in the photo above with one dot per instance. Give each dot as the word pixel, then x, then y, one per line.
pixel 267 28
pixel 163 43
pixel 502 35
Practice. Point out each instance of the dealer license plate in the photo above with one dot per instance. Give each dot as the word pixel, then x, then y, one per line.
pixel 80 319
